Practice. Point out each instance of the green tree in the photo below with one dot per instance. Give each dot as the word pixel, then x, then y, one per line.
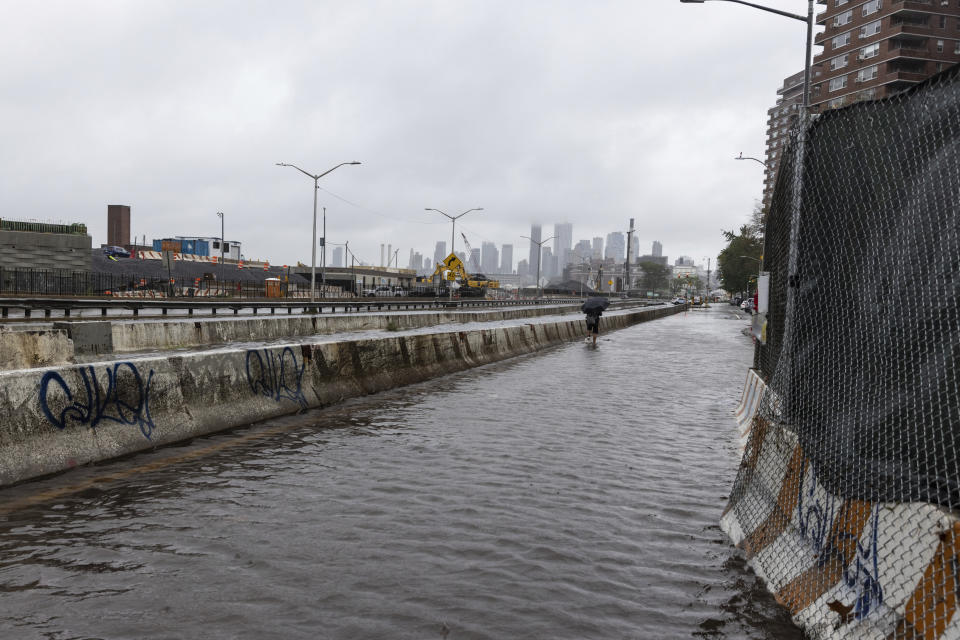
pixel 735 271
pixel 683 284
pixel 655 276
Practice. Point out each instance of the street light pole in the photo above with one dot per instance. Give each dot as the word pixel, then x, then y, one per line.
pixel 313 252
pixel 220 214
pixel 539 253
pixel 323 256
pixel 453 227
pixel 796 16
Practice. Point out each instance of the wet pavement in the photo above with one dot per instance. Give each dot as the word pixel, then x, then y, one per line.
pixel 569 494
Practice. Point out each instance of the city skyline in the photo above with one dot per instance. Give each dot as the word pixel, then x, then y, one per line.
pixel 549 139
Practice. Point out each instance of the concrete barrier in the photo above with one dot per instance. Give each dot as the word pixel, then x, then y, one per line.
pixel 55 418
pixel 746 411
pixel 34 348
pixel 843 568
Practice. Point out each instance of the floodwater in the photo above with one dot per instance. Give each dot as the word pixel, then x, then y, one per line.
pixel 571 494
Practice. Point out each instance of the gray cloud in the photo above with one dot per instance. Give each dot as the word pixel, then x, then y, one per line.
pixel 537 111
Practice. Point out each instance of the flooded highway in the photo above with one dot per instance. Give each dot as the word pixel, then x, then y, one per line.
pixel 570 494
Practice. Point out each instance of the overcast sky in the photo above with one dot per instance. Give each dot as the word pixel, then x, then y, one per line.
pixel 538 111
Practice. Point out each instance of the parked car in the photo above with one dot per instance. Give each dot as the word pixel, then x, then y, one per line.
pixel 399 292
pixel 747 305
pixel 116 252
pixel 369 293
pixel 679 300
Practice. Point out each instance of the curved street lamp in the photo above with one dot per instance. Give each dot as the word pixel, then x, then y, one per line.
pixel 796 16
pixel 313 253
pixel 743 157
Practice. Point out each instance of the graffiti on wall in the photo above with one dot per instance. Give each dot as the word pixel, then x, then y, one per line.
pixel 118 393
pixel 816 515
pixel 278 376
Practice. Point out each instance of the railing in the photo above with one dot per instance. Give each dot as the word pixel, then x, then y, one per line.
pixel 113 308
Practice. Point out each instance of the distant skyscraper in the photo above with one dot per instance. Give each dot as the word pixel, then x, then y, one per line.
pixel 535 236
pixel 490 258
pixel 416 263
pixel 582 252
pixel 657 249
pixel 474 264
pixel 337 257
pixel 562 242
pixel 598 248
pixel 523 269
pixel 548 263
pixel 506 259
pixel 428 266
pixel 616 246
pixel 440 252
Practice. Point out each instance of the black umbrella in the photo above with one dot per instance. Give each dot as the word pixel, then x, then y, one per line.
pixel 593 304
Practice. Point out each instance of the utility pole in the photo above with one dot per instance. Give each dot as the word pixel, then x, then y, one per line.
pixel 626 286
pixel 222 284
pixel 708 282
pixel 539 253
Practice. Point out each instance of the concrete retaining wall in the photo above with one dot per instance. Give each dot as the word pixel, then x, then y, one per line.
pixel 55 418
pixel 843 568
pixel 138 336
pixel 26 349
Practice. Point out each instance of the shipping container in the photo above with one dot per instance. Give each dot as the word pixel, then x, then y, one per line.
pixel 188 246
pixel 156 245
pixel 202 248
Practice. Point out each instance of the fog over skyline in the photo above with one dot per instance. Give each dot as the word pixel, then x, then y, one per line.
pixel 539 112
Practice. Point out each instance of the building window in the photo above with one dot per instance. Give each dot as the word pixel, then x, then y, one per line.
pixel 841 40
pixel 872 7
pixel 956 46
pixel 840 3
pixel 216 244
pixel 843 18
pixel 869 73
pixel 839 62
pixel 939 46
pixel 870 29
pixel 870 51
pixel 836 103
pixel 838 83
pixel 943 22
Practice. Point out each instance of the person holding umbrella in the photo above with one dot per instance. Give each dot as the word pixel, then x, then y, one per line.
pixel 594 307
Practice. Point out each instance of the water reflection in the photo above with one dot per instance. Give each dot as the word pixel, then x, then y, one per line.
pixel 569 495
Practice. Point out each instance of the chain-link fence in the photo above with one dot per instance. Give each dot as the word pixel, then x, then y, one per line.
pixel 849 490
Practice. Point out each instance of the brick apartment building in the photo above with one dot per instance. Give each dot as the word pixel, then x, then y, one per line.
pixel 876 48
pixel 871 50
pixel 780 119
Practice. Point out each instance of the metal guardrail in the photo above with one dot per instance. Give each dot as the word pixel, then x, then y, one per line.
pixel 135 306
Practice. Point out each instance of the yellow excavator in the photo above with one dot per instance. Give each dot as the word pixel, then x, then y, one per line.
pixel 470 284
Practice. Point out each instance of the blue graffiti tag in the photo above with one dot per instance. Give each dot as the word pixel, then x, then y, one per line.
pixel 863 576
pixel 99 400
pixel 815 521
pixel 814 518
pixel 278 377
